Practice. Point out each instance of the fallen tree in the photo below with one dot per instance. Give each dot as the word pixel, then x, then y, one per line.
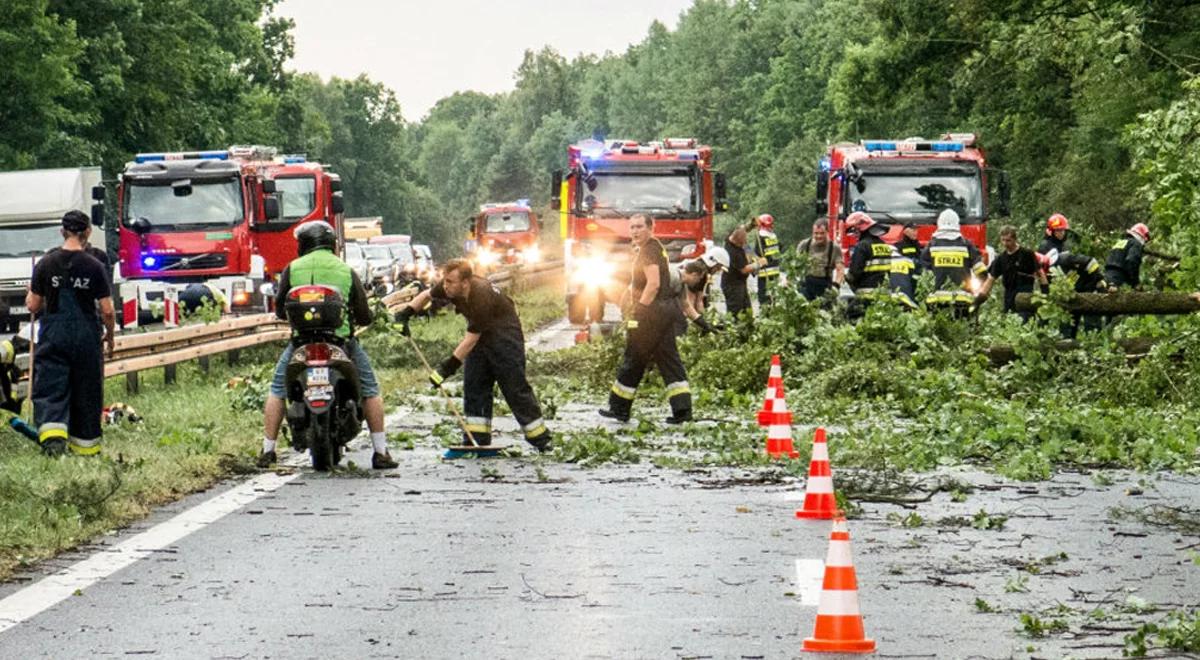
pixel 1119 302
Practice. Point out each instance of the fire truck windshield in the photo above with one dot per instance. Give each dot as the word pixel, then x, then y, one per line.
pixel 910 195
pixel 498 223
pixel 671 193
pixel 299 195
pixel 211 203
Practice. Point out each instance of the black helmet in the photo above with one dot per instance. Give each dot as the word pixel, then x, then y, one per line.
pixel 315 235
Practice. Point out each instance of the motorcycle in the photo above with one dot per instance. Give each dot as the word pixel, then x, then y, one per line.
pixel 324 395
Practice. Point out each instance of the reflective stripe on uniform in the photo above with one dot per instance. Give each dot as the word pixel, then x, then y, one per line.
pixel 84 447
pixel 624 391
pixel 879 266
pixel 949 256
pixel 979 269
pixel 535 428
pixel 7 352
pixel 948 297
pixel 675 389
pixel 51 430
pixel 479 424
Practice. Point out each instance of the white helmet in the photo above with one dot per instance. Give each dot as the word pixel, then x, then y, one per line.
pixel 948 220
pixel 716 257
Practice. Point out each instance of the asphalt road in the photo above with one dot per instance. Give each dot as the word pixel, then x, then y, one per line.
pixel 522 558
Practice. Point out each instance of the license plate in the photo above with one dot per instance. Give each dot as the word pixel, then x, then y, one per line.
pixel 312 296
pixel 318 375
pixel 318 393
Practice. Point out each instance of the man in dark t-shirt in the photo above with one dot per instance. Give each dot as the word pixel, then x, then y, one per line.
pixel 1016 267
pixel 650 338
pixel 491 353
pixel 733 282
pixel 70 296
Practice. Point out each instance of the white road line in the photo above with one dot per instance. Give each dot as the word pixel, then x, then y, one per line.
pixel 51 590
pixel 810 575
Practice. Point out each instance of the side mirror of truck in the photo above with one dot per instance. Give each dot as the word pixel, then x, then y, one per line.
pixel 182 187
pixel 556 179
pixel 268 186
pixel 98 193
pixel 338 204
pixel 720 191
pixel 822 185
pixel 335 184
pixel 1005 194
pixel 270 208
pixel 98 215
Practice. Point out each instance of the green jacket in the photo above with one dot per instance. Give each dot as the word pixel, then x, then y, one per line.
pixel 325 268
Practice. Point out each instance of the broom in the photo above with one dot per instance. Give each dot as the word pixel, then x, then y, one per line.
pixel 461 450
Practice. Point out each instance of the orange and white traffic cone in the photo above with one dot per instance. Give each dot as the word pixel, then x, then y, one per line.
pixel 839 627
pixel 819 501
pixel 779 431
pixel 774 392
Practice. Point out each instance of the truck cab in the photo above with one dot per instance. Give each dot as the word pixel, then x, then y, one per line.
pixel 506 233
pixel 671 181
pixel 910 180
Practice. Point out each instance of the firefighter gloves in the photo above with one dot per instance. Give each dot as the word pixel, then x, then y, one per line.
pixel 445 370
pixel 402 318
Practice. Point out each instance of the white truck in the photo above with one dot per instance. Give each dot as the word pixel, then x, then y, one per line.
pixel 32 204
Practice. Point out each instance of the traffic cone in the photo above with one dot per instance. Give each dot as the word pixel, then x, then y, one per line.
pixel 779 431
pixel 839 626
pixel 819 502
pixel 774 393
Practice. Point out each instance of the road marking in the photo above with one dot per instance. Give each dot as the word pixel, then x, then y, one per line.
pixel 810 574
pixel 53 589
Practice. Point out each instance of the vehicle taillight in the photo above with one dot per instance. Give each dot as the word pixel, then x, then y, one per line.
pixel 317 353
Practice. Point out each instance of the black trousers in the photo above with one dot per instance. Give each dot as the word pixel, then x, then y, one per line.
pixel 652 342
pixel 737 297
pixel 765 284
pixel 68 378
pixel 499 359
pixel 815 287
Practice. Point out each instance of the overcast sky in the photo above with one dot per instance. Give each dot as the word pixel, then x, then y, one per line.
pixel 428 49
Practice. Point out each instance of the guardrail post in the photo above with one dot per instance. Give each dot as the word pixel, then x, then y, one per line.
pixel 131 382
pixel 204 363
pixel 169 374
pixel 232 357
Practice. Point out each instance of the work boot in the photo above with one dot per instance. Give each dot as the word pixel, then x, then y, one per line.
pixel 267 459
pixel 383 461
pixel 54 447
pixel 680 416
pixel 541 443
pixel 605 412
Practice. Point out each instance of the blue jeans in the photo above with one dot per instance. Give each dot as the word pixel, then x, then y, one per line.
pixel 366 375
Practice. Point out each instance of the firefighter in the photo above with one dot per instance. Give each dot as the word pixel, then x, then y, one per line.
pixel 1057 227
pixel 649 339
pixel 317 264
pixel 909 247
pixel 1017 267
pixel 766 248
pixel 491 353
pixel 1124 264
pixel 733 282
pixel 871 259
pixel 70 295
pixel 902 280
pixel 689 286
pixel 956 266
pixel 1090 279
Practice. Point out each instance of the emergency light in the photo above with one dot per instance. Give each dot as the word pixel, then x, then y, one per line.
pixel 292 160
pixel 149 261
pixel 825 164
pixel 941 146
pixel 182 155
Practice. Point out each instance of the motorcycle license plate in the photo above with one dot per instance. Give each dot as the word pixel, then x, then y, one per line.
pixel 318 375
pixel 318 393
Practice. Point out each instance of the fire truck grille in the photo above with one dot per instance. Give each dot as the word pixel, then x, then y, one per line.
pixel 192 261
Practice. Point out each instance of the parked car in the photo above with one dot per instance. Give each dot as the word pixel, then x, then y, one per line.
pixel 357 260
pixel 382 263
pixel 424 261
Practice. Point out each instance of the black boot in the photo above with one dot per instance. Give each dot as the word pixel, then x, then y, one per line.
pixel 680 416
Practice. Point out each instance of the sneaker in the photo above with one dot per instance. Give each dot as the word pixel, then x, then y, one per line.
pixel 542 444
pixel 266 459
pixel 383 461
pixel 680 417
pixel 54 447
pixel 605 412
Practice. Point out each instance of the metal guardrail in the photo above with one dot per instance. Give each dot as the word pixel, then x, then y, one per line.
pixel 137 352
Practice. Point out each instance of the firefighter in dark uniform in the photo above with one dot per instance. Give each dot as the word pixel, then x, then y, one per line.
pixel 1124 264
pixel 72 300
pixel 1057 228
pixel 870 261
pixel 491 353
pixel 954 261
pixel 766 248
pixel 909 247
pixel 650 339
pixel 1090 279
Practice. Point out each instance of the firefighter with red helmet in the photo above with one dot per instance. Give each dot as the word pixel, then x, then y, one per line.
pixel 871 260
pixel 1057 229
pixel 766 247
pixel 1124 264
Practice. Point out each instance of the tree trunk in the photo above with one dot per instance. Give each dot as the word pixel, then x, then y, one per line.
pixel 1135 349
pixel 1123 302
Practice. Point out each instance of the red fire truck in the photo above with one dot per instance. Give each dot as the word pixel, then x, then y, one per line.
pixel 606 183
pixel 506 233
pixel 222 218
pixel 911 180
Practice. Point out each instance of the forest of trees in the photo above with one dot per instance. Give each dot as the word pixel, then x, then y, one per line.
pixel 1092 107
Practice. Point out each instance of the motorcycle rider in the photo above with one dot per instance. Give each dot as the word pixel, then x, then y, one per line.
pixel 492 353
pixel 317 264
